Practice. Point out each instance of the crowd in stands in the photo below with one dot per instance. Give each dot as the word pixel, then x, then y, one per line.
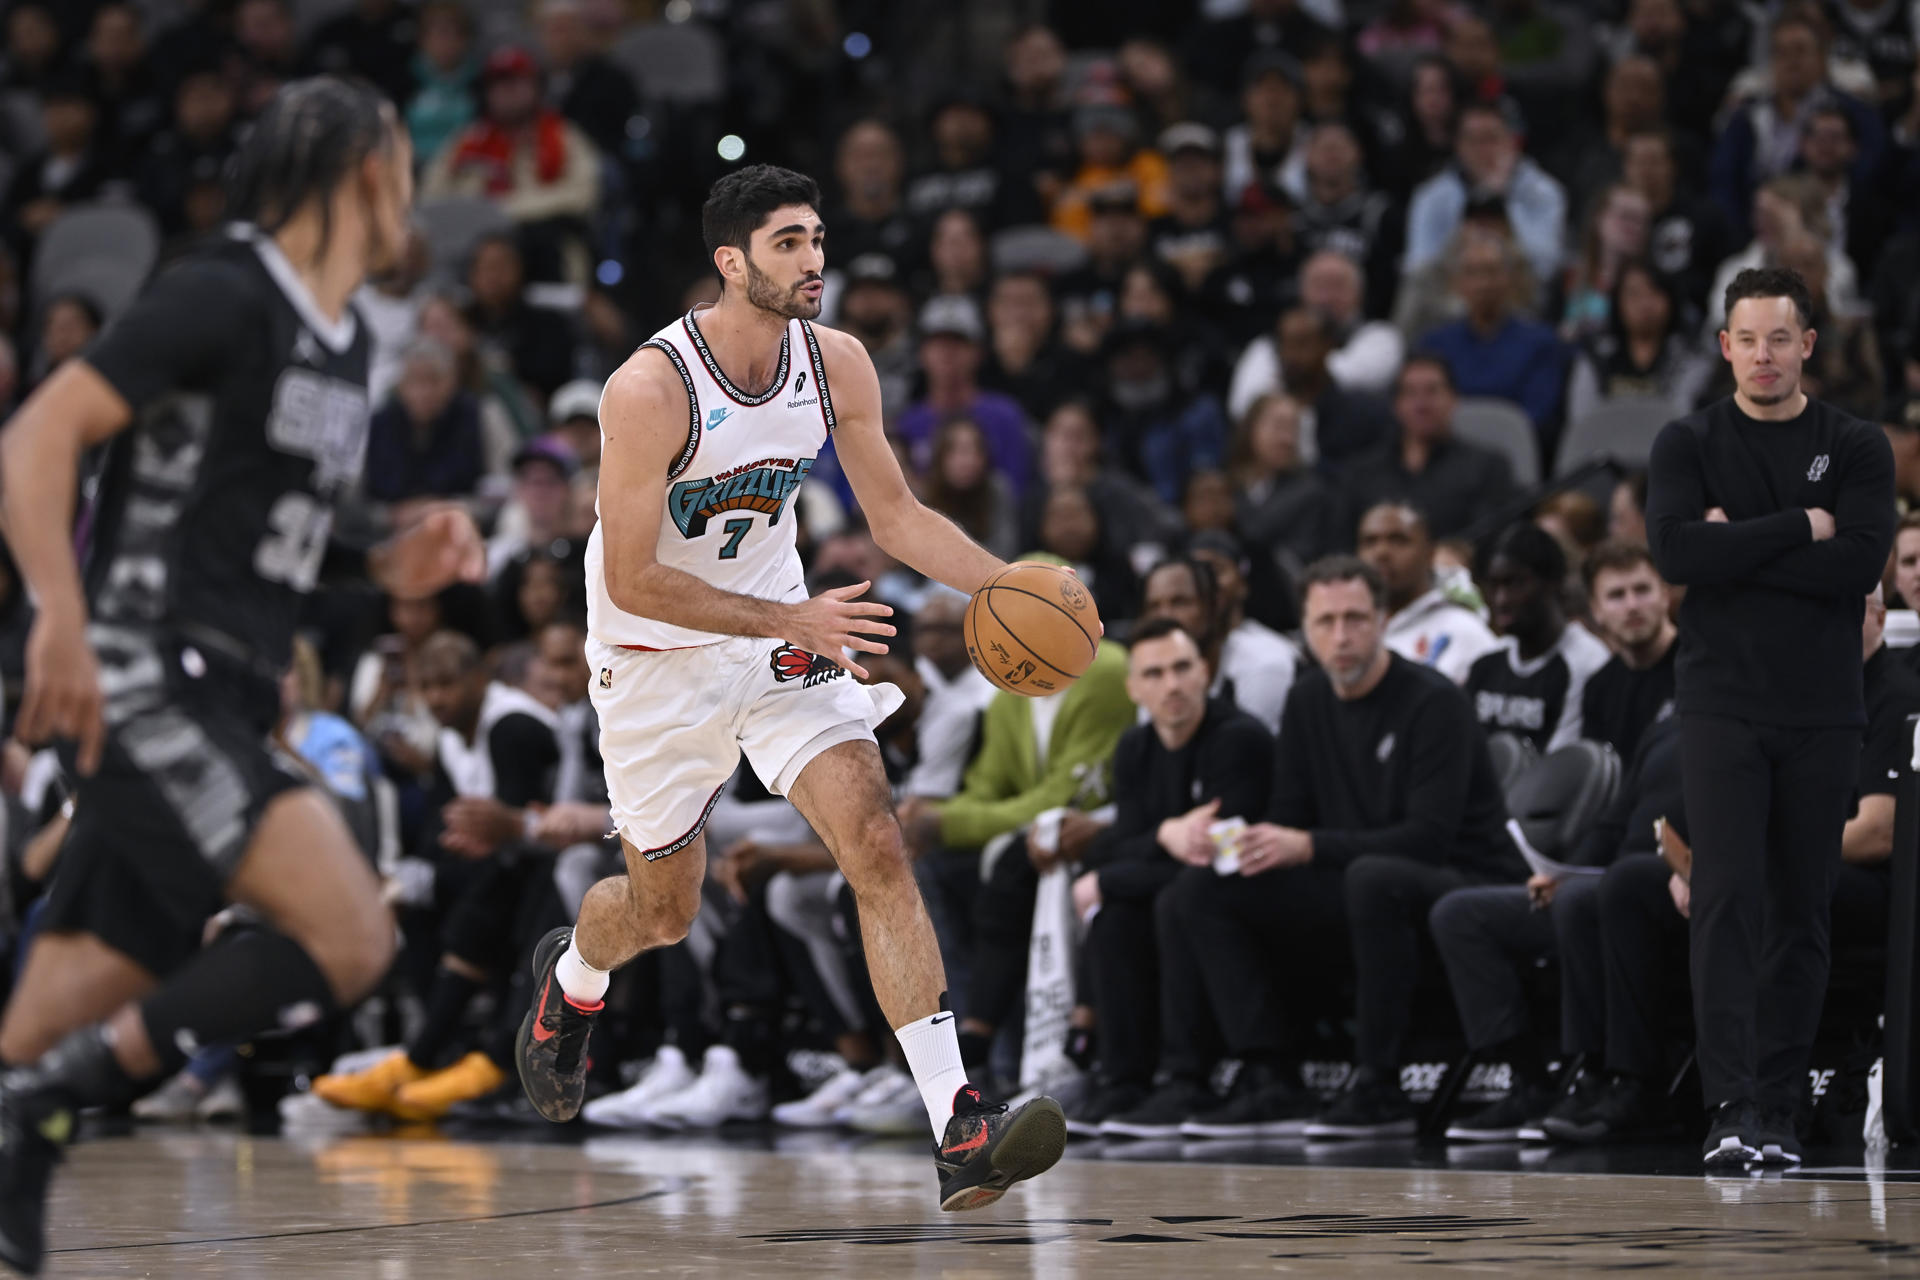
pixel 1269 317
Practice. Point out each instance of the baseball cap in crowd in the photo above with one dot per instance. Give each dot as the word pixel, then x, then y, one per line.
pixel 550 451
pixel 577 399
pixel 509 61
pixel 1189 135
pixel 952 315
pixel 872 268
pixel 1274 62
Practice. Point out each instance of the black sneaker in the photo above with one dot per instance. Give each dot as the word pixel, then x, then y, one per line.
pixel 33 1138
pixel 1373 1107
pixel 1568 1118
pixel 1733 1141
pixel 1625 1109
pixel 1778 1137
pixel 1164 1111
pixel 1102 1102
pixel 551 1048
pixel 987 1149
pixel 1264 1104
pixel 1505 1120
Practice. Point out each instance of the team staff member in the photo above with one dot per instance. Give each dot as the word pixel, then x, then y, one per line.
pixel 1777 513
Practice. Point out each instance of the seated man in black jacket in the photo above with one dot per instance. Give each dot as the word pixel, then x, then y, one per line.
pixel 1383 799
pixel 1197 761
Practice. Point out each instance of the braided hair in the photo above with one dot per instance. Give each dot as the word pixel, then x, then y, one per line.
pixel 311 137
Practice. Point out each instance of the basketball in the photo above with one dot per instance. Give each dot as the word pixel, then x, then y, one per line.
pixel 1032 629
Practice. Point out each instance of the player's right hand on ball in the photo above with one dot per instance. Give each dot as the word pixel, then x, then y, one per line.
pixel 834 621
pixel 62 697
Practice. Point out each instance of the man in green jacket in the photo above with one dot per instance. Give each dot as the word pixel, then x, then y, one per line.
pixel 1036 754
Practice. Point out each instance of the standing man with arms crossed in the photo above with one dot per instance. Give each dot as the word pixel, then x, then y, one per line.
pixel 1776 512
pixel 704 645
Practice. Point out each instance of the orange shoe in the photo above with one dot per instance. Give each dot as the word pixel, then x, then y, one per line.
pixel 474 1076
pixel 369 1090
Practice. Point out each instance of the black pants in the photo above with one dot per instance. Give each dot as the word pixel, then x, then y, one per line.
pixel 1641 956
pixel 1488 937
pixel 1123 969
pixel 1002 933
pixel 1388 899
pixel 1765 808
pixel 1236 951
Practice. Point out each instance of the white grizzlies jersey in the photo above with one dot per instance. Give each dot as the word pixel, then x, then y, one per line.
pixel 729 517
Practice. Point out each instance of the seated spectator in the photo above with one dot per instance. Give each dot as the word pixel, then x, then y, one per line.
pixel 1783 208
pixel 496 757
pixel 1457 483
pixel 956 256
pixel 1073 529
pixel 1627 509
pixel 1162 92
pixel 1089 295
pixel 1762 136
pixel 1252 666
pixel 1258 281
pixel 1258 606
pixel 1338 424
pixel 1493 351
pixel 1108 152
pixel 1615 234
pixel 874 307
pixel 1862 213
pixel 1206 505
pixel 1384 798
pixel 1072 456
pixel 536 341
pixel 962 485
pixel 1367 354
pixel 1630 606
pixel 585 86
pixel 1025 359
pixel 1534 684
pixel 866 206
pixel 1282 506
pixel 533 162
pixel 1632 100
pixel 963 175
pixel 446 70
pixel 951 341
pixel 1429 621
pixel 1036 143
pixel 425 442
pixel 536 514
pixel 1844 368
pixel 1193 236
pixel 201 133
pixel 1036 755
pixel 1688 237
pixel 1341 213
pixel 574 412
pixel 263 52
pixel 508 414
pixel 1151 293
pixel 1158 429
pixel 1196 760
pixel 1489 165
pixel 956 697
pixel 1429 120
pixel 1644 353
pixel 1269 148
pixel 70 169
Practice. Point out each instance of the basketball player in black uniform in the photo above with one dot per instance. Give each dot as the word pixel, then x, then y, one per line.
pixel 232 399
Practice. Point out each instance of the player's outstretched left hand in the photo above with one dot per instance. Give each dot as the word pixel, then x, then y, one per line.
pixel 443 547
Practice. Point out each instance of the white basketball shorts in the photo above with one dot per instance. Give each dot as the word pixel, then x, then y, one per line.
pixel 674 723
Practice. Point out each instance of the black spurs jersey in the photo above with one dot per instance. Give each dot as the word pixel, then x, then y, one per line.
pixel 1539 700
pixel 215 507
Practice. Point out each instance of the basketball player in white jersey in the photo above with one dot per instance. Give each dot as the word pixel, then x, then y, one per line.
pixel 705 645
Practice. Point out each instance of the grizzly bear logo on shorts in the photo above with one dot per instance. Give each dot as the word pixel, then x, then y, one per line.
pixel 790 662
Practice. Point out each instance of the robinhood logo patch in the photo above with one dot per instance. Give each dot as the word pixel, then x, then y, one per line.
pixel 764 486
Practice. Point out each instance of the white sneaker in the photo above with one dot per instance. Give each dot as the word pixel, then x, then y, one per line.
pixel 877 1085
pixel 173 1102
pixel 723 1092
pixel 225 1102
pixel 897 1112
pixel 668 1074
pixel 816 1110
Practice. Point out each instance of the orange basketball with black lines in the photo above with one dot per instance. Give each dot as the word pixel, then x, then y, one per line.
pixel 1032 629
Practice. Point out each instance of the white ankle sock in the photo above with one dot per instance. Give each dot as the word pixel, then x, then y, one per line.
pixel 932 1046
pixel 583 983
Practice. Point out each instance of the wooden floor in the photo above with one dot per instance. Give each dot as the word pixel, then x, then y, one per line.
pixel 220 1204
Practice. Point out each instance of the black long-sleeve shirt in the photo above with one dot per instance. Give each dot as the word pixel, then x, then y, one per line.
pixel 1402 771
pixel 1229 759
pixel 1770 629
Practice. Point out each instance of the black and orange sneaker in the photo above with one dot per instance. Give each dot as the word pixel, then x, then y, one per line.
pixel 551 1048
pixel 987 1149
